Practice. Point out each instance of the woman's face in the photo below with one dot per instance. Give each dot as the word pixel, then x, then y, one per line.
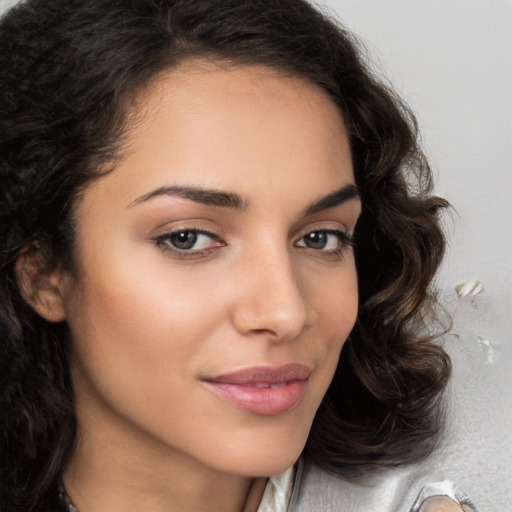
pixel 216 283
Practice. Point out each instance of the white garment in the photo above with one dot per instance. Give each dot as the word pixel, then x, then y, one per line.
pixel 313 490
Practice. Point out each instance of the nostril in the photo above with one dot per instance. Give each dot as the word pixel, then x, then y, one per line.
pixel 265 332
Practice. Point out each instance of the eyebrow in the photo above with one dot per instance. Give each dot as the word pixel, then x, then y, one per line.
pixel 233 201
pixel 336 198
pixel 199 195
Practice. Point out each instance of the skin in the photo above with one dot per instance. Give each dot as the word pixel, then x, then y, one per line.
pixel 150 321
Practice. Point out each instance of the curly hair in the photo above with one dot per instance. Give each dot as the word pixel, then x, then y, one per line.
pixel 68 69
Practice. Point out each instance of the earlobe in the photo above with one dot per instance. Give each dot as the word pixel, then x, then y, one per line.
pixel 40 287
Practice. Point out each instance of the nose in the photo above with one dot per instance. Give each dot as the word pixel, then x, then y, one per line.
pixel 271 301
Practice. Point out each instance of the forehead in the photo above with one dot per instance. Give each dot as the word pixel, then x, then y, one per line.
pixel 227 92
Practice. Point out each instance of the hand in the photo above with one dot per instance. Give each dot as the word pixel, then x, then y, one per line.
pixel 441 504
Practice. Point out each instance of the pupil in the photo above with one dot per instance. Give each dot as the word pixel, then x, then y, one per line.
pixel 316 240
pixel 184 239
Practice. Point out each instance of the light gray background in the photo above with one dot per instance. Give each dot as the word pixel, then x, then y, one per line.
pixel 452 61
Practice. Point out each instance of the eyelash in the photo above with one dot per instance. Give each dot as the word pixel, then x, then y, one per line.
pixel 164 242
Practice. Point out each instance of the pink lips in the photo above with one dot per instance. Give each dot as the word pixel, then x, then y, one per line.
pixel 263 390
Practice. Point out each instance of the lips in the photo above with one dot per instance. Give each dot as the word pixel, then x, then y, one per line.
pixel 262 390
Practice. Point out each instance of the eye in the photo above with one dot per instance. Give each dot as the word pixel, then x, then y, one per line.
pixel 188 242
pixel 325 240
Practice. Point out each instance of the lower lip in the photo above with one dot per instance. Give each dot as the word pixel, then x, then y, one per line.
pixel 263 401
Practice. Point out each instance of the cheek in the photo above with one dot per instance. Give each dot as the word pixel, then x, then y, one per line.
pixel 139 339
pixel 335 300
pixel 133 320
pixel 141 292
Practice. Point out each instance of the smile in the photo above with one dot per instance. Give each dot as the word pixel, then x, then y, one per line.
pixel 262 390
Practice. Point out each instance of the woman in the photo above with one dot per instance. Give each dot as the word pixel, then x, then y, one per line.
pixel 188 188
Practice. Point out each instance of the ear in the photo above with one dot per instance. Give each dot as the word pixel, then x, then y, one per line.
pixel 41 288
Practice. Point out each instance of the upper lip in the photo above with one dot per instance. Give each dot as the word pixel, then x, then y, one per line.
pixel 264 374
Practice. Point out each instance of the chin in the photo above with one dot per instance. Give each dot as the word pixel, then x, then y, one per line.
pixel 264 467
pixel 268 457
